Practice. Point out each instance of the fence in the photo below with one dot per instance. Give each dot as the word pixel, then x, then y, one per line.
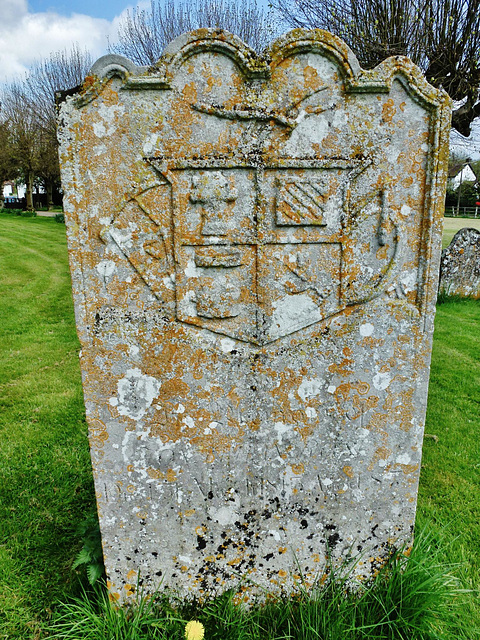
pixel 462 212
pixel 12 202
pixel 40 200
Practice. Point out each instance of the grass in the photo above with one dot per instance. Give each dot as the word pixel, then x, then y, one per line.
pixel 450 478
pixel 452 225
pixel 54 209
pixel 45 477
pixel 397 604
pixel 46 488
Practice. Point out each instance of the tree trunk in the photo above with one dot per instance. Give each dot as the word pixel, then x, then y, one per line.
pixel 49 186
pixel 2 197
pixel 29 192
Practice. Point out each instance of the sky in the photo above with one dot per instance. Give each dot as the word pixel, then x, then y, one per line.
pixel 106 9
pixel 32 29
pixel 467 147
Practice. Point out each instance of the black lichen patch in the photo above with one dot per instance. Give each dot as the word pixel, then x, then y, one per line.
pixel 333 540
pixel 201 543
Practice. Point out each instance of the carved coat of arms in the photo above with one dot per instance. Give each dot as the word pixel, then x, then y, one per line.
pixel 258 253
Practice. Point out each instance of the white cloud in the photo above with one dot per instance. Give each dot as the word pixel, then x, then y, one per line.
pixel 26 36
pixel 467 146
pixel 10 9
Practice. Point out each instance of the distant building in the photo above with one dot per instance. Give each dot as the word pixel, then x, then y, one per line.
pixel 8 189
pixel 11 189
pixel 461 172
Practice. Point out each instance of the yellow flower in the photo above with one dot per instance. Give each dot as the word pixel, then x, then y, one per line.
pixel 194 630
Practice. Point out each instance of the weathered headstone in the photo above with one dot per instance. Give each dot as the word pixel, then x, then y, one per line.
pixel 254 245
pixel 460 265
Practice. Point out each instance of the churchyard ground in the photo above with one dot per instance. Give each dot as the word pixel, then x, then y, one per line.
pixel 46 488
pixel 452 225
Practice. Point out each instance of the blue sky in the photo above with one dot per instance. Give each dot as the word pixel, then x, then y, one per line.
pixel 33 29
pixel 106 9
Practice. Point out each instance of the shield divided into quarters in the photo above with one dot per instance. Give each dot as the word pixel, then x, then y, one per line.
pixel 258 252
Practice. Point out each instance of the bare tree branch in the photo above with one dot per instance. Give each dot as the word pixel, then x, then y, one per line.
pixel 144 34
pixel 441 36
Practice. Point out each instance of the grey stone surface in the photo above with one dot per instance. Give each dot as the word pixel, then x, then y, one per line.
pixel 460 265
pixel 254 245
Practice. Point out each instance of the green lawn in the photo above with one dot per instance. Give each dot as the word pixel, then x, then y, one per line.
pixel 449 494
pixel 452 225
pixel 46 487
pixel 45 476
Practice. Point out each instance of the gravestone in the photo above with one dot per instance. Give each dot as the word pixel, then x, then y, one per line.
pixel 460 265
pixel 254 246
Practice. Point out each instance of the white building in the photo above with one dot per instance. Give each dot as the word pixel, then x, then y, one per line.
pixel 460 173
pixel 9 189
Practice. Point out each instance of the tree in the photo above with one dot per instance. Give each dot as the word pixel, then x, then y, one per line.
pixel 24 134
pixel 144 33
pixel 60 71
pixel 465 195
pixel 441 36
pixel 476 168
pixel 7 164
pixel 29 107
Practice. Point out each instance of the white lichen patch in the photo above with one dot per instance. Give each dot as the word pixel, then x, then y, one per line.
pixel 135 393
pixel 227 345
pixel 381 380
pixel 309 388
pixel 224 515
pixel 106 268
pixel 366 329
pixel 292 312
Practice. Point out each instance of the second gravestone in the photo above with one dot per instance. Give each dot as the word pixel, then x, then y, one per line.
pixel 254 245
pixel 460 265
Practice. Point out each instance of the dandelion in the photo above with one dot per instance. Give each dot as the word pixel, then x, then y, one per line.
pixel 194 630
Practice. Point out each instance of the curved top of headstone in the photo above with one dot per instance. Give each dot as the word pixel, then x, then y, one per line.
pixel 258 66
pixel 468 234
pixel 114 65
pixel 467 237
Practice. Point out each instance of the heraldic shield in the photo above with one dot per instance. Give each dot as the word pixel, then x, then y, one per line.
pixel 258 253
